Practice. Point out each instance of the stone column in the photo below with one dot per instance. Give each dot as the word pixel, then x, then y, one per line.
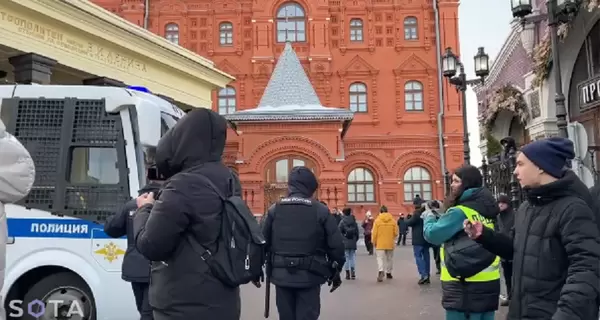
pixel 103 81
pixel 32 68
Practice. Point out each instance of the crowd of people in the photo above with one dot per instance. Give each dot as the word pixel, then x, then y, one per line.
pixel 548 247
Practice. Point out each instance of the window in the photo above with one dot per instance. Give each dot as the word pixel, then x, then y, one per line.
pixel 226 100
pixel 226 34
pixel 358 97
pixel 413 96
pixel 410 28
pixel 94 166
pixel 356 30
pixel 417 181
pixel 172 33
pixel 278 170
pixel 291 23
pixel 361 186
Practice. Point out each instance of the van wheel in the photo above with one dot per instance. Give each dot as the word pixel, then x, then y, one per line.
pixel 73 299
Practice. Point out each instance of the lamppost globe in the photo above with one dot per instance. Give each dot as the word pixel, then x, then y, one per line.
pixel 449 63
pixel 521 8
pixel 482 63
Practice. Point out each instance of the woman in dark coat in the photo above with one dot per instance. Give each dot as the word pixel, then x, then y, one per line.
pixel 349 229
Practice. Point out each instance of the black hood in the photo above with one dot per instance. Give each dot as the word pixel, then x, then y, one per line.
pixel 199 137
pixel 349 219
pixel 480 200
pixel 568 185
pixel 150 187
pixel 302 182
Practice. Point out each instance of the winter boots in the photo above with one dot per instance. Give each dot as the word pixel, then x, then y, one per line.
pixel 424 280
pixel 380 276
pixel 352 274
pixel 347 274
pixel 389 276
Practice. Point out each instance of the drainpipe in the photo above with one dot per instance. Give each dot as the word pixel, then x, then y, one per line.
pixel 440 117
pixel 146 13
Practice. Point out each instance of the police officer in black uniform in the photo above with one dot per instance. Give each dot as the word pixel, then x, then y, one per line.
pixel 305 248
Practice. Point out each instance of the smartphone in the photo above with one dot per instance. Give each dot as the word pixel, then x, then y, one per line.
pixel 153 174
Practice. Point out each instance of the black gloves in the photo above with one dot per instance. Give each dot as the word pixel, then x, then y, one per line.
pixel 334 282
pixel 257 281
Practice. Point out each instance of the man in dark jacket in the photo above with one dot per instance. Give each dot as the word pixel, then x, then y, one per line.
pixel 555 244
pixel 420 245
pixel 505 223
pixel 135 268
pixel 182 286
pixel 367 226
pixel 349 229
pixel 303 240
pixel 403 227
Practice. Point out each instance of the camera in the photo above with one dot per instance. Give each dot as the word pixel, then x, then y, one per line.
pixel 153 174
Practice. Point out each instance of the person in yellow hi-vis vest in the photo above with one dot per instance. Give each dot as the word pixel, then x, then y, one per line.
pixel 470 274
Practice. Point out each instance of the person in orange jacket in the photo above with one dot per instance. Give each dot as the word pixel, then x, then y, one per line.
pixel 385 231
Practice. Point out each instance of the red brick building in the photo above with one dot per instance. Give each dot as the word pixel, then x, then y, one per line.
pixel 374 58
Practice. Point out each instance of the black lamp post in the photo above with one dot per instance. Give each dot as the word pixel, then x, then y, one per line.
pixel 559 11
pixel 451 65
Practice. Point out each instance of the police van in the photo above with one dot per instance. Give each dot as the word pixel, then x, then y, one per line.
pixel 88 145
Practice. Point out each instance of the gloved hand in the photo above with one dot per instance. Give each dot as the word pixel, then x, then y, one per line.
pixel 334 282
pixel 257 281
pixel 426 214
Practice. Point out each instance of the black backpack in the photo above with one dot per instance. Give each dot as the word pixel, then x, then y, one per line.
pixel 350 231
pixel 240 253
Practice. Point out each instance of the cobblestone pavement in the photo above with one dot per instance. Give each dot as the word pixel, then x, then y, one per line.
pixel 365 299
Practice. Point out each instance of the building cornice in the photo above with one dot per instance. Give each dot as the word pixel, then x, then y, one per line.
pixel 509 46
pixel 91 18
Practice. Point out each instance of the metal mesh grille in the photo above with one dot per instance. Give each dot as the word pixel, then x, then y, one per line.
pixel 38 126
pixel 50 129
pixel 91 124
pixel 94 204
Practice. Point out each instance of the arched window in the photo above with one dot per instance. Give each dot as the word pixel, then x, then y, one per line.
pixel 358 97
pixel 172 33
pixel 410 28
pixel 413 96
pixel 278 171
pixel 361 186
pixel 291 23
pixel 417 181
pixel 356 30
pixel 226 100
pixel 226 34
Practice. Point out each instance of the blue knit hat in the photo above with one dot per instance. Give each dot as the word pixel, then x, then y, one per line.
pixel 550 154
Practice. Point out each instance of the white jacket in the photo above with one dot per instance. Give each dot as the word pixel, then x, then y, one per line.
pixel 17 173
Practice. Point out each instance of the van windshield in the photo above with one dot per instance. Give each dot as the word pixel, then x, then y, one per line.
pixel 167 122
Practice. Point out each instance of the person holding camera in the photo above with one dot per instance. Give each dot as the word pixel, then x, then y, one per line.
pixel 188 212
pixel 470 274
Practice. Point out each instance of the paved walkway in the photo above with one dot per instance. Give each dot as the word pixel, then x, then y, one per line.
pixel 365 299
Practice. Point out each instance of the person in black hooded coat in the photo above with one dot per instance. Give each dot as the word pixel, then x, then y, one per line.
pixel 303 239
pixel 181 285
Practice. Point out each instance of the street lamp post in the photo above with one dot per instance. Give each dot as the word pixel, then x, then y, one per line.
pixel 559 11
pixel 451 65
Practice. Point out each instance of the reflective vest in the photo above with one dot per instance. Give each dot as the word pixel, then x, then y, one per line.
pixel 490 273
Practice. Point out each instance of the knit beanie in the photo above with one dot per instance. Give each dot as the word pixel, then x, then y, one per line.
pixel 550 155
pixel 503 198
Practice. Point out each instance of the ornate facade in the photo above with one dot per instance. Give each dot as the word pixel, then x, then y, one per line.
pixel 374 58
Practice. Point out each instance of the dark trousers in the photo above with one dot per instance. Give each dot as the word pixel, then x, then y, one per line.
pixel 140 292
pixel 507 268
pixel 402 239
pixel 369 243
pixel 436 257
pixel 298 304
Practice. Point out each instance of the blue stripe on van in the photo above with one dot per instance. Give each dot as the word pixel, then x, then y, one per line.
pixel 54 228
